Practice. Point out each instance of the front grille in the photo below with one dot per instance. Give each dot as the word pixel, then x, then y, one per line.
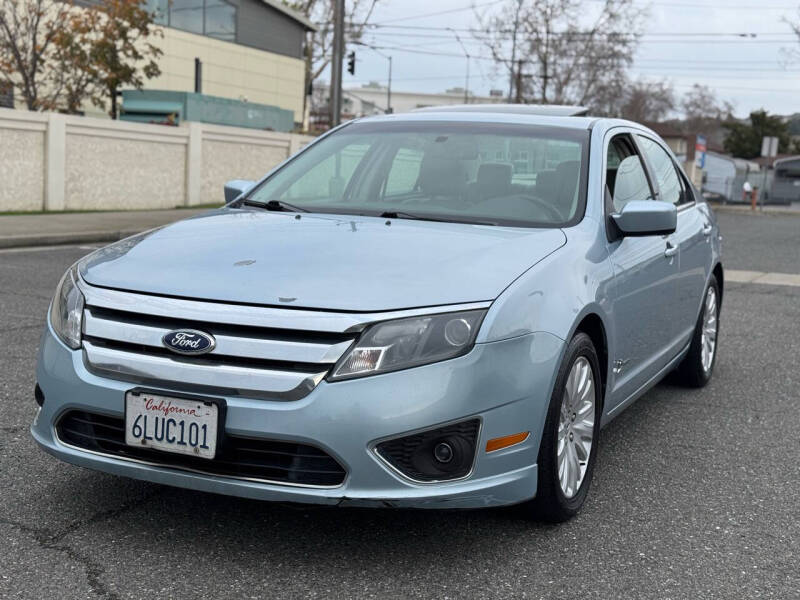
pixel 413 455
pixel 248 360
pixel 264 460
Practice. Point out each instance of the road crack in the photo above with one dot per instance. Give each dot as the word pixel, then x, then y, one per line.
pixel 55 540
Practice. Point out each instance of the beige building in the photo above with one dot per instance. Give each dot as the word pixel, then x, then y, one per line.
pixel 250 50
pixel 371 99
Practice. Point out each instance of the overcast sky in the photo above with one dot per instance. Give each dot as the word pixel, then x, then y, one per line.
pixel 750 72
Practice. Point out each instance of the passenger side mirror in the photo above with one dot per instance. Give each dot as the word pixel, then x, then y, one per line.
pixel 237 187
pixel 646 217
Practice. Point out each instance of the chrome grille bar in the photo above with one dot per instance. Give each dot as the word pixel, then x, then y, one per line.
pixel 145 368
pixel 131 332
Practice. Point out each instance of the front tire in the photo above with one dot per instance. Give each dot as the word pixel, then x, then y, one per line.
pixel 697 366
pixel 568 450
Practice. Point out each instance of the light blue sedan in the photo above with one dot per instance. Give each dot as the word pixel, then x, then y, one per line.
pixel 438 309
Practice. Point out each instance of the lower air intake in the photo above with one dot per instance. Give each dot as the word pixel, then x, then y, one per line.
pixel 244 458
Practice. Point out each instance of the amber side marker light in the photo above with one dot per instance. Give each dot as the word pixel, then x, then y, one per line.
pixel 506 441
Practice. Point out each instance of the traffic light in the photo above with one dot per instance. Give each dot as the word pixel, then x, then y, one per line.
pixel 351 63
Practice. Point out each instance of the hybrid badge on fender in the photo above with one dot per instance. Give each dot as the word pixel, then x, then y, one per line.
pixel 189 341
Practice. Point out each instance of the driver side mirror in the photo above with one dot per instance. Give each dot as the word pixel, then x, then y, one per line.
pixel 645 217
pixel 237 187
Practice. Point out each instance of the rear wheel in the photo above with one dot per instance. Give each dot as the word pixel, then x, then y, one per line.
pixel 697 366
pixel 569 441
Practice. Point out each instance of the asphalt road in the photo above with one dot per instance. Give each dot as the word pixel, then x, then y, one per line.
pixel 695 494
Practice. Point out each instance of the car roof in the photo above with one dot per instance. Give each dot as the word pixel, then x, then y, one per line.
pixel 484 117
pixel 555 110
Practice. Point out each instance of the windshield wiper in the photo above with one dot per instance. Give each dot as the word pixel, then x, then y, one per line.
pixel 393 214
pixel 278 205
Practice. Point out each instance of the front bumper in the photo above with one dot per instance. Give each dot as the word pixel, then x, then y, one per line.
pixel 506 384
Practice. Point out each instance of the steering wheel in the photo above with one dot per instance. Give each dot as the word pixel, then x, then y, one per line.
pixel 549 208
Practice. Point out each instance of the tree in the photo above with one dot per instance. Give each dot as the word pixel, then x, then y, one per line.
pixel 560 61
pixel 28 29
pixel 701 108
pixel 647 101
pixel 72 57
pixel 795 25
pixel 744 139
pixel 58 55
pixel 120 52
pixel 320 43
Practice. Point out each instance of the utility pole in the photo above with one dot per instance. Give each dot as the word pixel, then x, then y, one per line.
pixel 336 63
pixel 519 82
pixel 514 50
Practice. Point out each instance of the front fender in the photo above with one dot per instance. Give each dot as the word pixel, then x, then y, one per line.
pixel 558 292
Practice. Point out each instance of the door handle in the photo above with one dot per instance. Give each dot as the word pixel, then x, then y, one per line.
pixel 707 229
pixel 670 250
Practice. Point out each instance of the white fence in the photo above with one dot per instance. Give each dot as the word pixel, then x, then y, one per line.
pixel 50 161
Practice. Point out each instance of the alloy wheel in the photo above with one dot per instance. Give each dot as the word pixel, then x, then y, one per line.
pixel 576 427
pixel 708 336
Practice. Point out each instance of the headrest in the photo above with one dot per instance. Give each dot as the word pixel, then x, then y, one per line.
pixel 441 176
pixel 495 175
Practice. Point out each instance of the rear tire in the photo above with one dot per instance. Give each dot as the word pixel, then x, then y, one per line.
pixel 570 436
pixel 697 366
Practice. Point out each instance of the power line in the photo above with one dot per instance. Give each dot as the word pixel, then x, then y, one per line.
pixel 481 33
pixel 441 12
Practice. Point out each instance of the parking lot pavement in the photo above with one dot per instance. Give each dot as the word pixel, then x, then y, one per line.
pixel 695 494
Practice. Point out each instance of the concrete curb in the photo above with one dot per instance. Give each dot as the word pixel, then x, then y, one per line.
pixel 741 210
pixel 60 239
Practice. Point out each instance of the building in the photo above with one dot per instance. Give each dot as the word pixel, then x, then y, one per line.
pixel 372 99
pixel 250 50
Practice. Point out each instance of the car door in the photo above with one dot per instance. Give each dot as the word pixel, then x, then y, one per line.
pixel 645 269
pixel 693 235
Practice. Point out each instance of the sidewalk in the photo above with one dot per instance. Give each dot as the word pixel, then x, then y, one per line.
pixel 82 227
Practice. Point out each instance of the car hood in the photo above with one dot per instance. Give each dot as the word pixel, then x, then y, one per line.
pixel 333 262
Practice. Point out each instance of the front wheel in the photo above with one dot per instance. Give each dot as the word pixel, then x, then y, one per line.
pixel 569 442
pixel 697 366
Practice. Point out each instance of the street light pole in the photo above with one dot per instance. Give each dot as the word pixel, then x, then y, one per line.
pixel 389 88
pixel 466 54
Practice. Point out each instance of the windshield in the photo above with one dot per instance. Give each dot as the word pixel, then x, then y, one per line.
pixel 464 172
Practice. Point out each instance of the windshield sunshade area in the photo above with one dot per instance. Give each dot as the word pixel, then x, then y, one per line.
pixel 487 173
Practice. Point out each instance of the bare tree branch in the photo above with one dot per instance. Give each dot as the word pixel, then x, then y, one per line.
pixel 565 61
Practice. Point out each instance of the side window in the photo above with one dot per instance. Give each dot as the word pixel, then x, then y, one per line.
pixel 404 172
pixel 625 175
pixel 669 185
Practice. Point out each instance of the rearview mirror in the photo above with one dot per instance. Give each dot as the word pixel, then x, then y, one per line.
pixel 646 217
pixel 237 187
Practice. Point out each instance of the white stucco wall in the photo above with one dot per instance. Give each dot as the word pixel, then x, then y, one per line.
pixel 22 161
pixel 57 162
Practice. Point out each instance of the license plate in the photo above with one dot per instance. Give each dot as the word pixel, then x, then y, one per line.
pixel 171 424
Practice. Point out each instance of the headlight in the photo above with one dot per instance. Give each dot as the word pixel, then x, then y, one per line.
pixel 66 311
pixel 404 343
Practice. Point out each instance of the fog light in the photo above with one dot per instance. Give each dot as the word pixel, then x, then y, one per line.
pixel 443 452
pixel 440 454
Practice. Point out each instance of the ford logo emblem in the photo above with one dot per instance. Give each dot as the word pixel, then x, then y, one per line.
pixel 189 341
